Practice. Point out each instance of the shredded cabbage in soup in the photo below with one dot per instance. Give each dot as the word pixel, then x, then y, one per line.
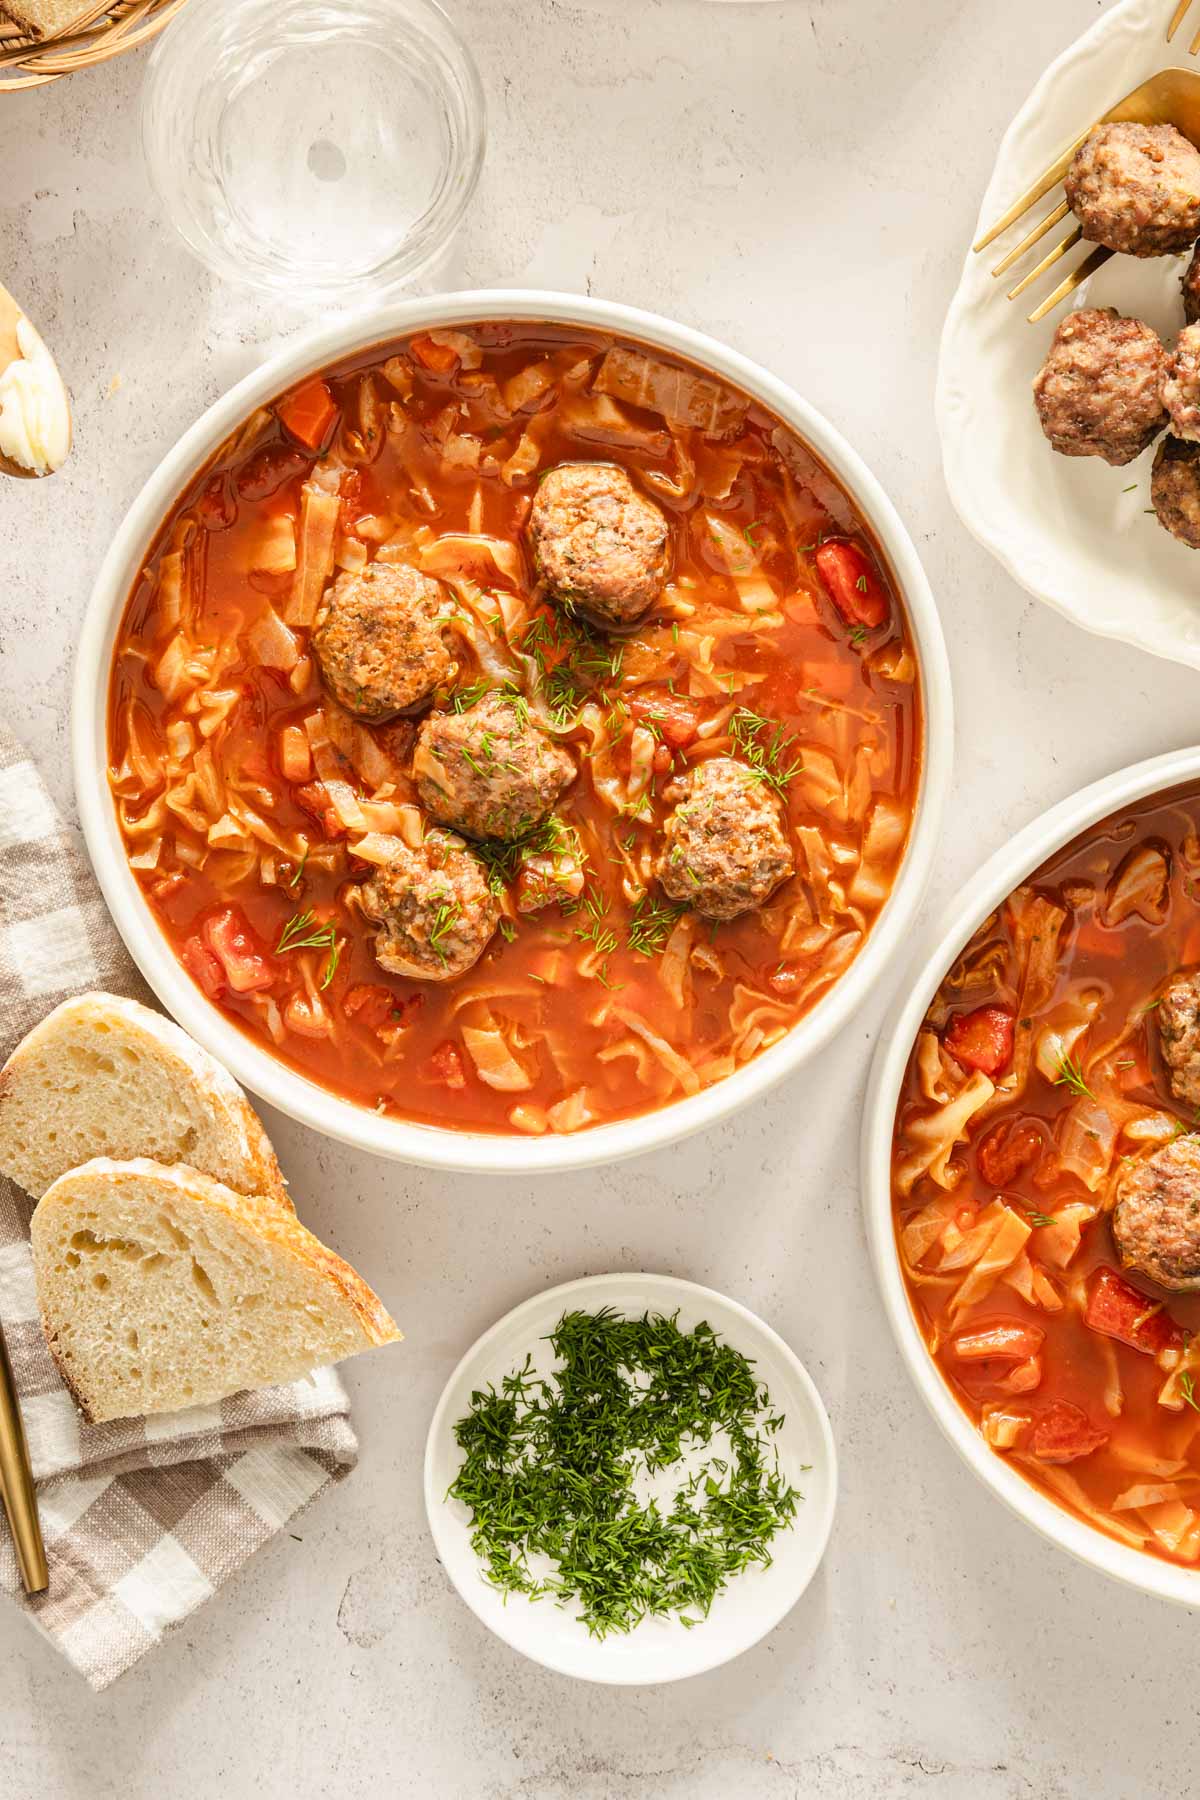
pixel 252 806
pixel 1036 1096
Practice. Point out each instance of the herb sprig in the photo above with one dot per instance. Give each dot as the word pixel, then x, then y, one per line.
pixel 765 746
pixel 550 1467
pixel 1070 1075
pixel 303 933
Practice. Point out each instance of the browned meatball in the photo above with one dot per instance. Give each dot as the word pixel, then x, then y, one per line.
pixel 598 543
pixel 489 771
pixel 1178 1015
pixel 1181 388
pixel 1175 489
pixel 435 910
pixel 1136 188
pixel 380 640
pixel 1190 285
pixel 1156 1220
pixel 1098 393
pixel 724 846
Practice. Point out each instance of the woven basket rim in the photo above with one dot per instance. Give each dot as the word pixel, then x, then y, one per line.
pixel 102 30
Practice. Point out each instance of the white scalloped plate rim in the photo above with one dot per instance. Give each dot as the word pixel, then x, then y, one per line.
pixel 1066 529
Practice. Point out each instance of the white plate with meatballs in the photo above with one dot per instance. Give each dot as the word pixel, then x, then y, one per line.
pixel 510 730
pixel 1031 1174
pixel 1060 487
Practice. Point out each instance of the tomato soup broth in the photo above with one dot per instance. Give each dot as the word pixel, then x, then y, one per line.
pixel 1037 1092
pixel 253 805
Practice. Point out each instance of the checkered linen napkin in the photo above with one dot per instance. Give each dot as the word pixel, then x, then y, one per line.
pixel 143 1518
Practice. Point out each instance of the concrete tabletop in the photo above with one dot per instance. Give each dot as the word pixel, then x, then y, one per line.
pixel 799 179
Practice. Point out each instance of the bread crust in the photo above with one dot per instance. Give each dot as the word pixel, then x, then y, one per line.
pixel 255 1215
pixel 214 1085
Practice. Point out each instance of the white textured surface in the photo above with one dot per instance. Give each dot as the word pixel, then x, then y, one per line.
pixel 799 179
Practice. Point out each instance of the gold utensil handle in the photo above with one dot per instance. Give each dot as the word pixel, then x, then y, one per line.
pixel 16 1484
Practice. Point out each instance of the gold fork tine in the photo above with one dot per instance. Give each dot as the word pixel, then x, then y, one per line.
pixel 1039 231
pixel 1194 45
pixel 1088 266
pixel 1177 19
pixel 1068 243
pixel 1042 186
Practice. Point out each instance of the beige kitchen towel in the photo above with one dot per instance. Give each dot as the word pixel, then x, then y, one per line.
pixel 143 1518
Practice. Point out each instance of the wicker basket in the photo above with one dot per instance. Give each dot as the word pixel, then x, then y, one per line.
pixel 102 31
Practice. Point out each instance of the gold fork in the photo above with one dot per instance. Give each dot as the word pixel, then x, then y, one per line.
pixel 1177 21
pixel 1172 97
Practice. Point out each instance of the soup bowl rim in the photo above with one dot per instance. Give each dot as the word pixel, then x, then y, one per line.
pixel 939 945
pixel 269 1076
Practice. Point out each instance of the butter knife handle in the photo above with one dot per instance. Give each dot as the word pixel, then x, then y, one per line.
pixel 16 1484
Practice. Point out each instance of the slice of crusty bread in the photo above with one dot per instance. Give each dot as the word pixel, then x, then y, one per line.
pixel 160 1288
pixel 45 18
pixel 103 1076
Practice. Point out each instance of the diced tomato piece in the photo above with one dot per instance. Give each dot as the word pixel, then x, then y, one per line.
pixel 446 1066
pixel 853 583
pixel 243 961
pixel 670 716
pixel 1010 1341
pixel 441 358
pixel 982 1039
pixel 1133 1068
pixel 1007 1149
pixel 308 413
pixel 1063 1433
pixel 1116 1309
pixel 203 968
pixel 662 759
pixel 168 884
pixel 295 757
pixel 314 798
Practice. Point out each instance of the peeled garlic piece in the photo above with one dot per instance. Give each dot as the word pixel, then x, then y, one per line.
pixel 35 414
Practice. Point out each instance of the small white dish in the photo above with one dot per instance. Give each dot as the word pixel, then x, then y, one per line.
pixel 1071 530
pixel 937 951
pixel 658 1650
pixel 249 1062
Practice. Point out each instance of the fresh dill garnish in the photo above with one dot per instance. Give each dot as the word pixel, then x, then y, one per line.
pixel 443 921
pixel 858 635
pixel 550 1466
pixel 765 747
pixel 502 857
pixel 298 871
pixel 303 933
pixel 1187 1388
pixel 470 695
pixel 747 531
pixel 1037 1219
pixel 571 664
pixel 508 930
pixel 592 929
pixel 1070 1075
pixel 650 925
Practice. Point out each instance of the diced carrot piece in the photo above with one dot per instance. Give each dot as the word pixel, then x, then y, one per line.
pixel 295 757
pixel 308 412
pixel 1008 1148
pixel 982 1039
pixel 441 358
pixel 370 1004
pixel 1116 1309
pixel 853 583
pixel 1063 1433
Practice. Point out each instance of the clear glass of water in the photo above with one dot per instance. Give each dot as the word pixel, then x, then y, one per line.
pixel 319 149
